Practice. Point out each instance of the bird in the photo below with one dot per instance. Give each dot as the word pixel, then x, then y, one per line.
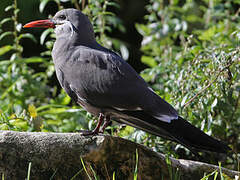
pixel 106 86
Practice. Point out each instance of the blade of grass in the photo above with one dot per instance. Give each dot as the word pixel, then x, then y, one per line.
pixel 51 178
pixel 114 175
pixel 94 174
pixel 5 93
pixel 220 169
pixel 136 166
pixel 208 175
pixel 215 176
pixel 76 174
pixel 177 174
pixel 85 169
pixel 29 171
pixel 24 60
pixel 105 167
pixel 169 165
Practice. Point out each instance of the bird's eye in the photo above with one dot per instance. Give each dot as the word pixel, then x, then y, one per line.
pixel 62 17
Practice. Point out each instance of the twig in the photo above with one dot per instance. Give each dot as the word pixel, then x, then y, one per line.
pixel 83 4
pixel 209 84
pixel 77 5
pixel 107 171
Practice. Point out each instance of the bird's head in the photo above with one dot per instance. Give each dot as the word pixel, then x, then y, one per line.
pixel 67 23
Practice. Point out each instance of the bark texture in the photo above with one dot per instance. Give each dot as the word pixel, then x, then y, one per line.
pixel 58 156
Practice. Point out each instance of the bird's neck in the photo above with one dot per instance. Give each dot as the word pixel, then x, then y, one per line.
pixel 63 47
pixel 66 43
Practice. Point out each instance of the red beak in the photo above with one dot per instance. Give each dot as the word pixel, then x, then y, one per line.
pixel 41 24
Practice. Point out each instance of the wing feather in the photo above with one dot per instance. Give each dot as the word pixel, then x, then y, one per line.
pixel 105 80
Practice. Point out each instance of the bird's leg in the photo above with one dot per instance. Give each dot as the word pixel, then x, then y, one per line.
pixel 105 124
pixel 96 130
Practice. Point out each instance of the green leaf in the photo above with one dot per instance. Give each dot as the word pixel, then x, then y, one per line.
pixel 5 20
pixel 113 4
pixel 16 11
pixel 26 60
pixel 5 93
pixel 142 29
pixel 41 108
pixel 184 100
pixel 5 49
pixel 44 35
pixel 147 76
pixel 66 100
pixel 9 7
pixel 148 60
pixel 214 103
pixel 29 36
pixel 208 34
pixel 126 131
pixel 53 111
pixel 5 34
pixel 19 123
pixel 124 51
pixel 4 126
pixel 43 5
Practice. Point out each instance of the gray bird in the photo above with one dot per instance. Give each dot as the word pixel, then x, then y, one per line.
pixel 106 86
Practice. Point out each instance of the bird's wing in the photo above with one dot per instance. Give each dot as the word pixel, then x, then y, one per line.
pixel 105 80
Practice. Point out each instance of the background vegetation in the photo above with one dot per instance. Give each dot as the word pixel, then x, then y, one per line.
pixel 187 50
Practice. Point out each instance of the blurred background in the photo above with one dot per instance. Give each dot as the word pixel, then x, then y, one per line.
pixel 187 51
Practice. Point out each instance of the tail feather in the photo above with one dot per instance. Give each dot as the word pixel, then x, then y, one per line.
pixel 179 130
pixel 189 135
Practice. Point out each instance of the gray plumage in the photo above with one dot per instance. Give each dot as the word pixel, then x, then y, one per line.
pixel 103 83
pixel 98 79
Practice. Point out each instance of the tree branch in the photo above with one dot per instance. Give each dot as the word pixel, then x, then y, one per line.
pixel 208 85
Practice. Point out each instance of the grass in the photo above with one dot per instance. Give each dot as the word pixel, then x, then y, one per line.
pixel 136 167
pixel 135 176
pixel 29 171
pixel 174 174
pixel 85 169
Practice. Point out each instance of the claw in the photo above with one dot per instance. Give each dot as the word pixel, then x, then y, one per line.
pixel 87 132
pixel 105 124
pixel 96 130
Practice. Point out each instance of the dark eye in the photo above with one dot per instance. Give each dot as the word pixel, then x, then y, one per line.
pixel 62 17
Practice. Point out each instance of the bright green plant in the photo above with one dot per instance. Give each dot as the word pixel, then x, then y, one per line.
pixel 28 103
pixel 18 85
pixel 192 49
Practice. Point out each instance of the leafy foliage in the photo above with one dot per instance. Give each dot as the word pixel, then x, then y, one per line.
pixel 28 102
pixel 193 51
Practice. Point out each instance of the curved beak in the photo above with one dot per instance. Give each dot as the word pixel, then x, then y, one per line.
pixel 41 24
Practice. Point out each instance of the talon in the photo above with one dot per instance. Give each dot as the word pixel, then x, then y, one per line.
pixel 105 124
pixel 87 132
pixel 96 130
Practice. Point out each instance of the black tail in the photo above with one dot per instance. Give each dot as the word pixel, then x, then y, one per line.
pixel 192 137
pixel 178 130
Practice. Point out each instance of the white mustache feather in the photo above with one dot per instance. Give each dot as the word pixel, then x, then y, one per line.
pixel 71 26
